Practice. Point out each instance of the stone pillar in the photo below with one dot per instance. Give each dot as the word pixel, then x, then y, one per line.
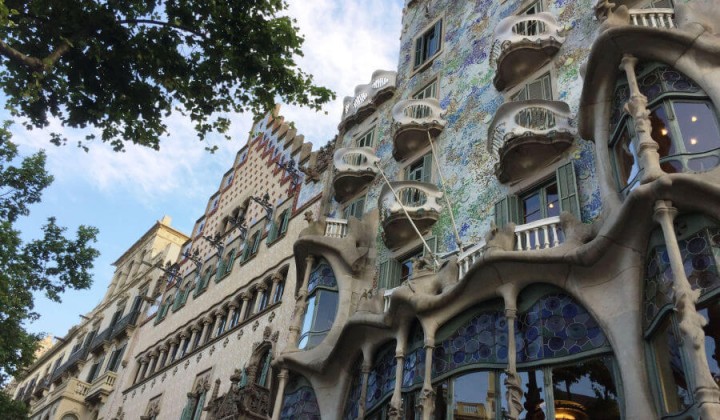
pixel 172 351
pixel 162 357
pixel 512 380
pixel 194 330
pixel 243 309
pixel 183 339
pixel 219 316
pixel 283 378
pixel 646 147
pixel 231 314
pixel 427 395
pixel 260 290
pixel 366 367
pixel 204 335
pixel 300 306
pixel 153 362
pixel 141 370
pixel 691 323
pixel 395 411
pixel 276 279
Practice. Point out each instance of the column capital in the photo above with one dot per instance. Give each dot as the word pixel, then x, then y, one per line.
pixel 664 208
pixel 233 305
pixel 207 320
pixel 174 341
pixel 511 313
pixel 184 335
pixel 220 312
pixel 310 259
pixel 195 328
pixel 163 348
pixel 244 296
pixel 262 287
pixel 277 277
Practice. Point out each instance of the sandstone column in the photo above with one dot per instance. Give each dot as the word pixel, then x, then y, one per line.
pixel 283 377
pixel 300 306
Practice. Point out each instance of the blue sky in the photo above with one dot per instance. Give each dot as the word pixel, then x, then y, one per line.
pixel 123 194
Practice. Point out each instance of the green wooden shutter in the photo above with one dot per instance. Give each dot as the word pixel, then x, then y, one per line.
pixel 507 211
pixel 231 260
pixel 186 411
pixel 432 243
pixel 246 252
pixel 272 234
pixel 438 35
pixel 178 300
pixel 418 51
pixel 389 274
pixel 256 243
pixel 201 404
pixel 285 222
pixel 427 168
pixel 220 272
pixel 265 369
pixel 567 189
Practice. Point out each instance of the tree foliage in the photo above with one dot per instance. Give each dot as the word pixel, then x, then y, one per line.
pixel 50 264
pixel 122 66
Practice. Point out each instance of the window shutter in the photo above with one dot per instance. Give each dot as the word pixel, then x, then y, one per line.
pixel 567 189
pixel 507 211
pixel 418 51
pixel 389 274
pixel 432 243
pixel 201 404
pixel 272 234
pixel 285 222
pixel 437 37
pixel 427 168
pixel 231 260
pixel 220 270
pixel 186 411
pixel 256 243
pixel 264 372
pixel 246 252
pixel 359 208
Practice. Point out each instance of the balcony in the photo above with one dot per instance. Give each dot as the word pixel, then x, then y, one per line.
pixel 101 387
pixel 528 135
pixel 71 365
pixel 354 169
pixel 73 388
pixel 336 228
pixel 523 44
pixel 42 386
pixel 420 200
pixel 367 98
pixel 99 340
pixel 415 120
pixel 541 234
pixel 126 325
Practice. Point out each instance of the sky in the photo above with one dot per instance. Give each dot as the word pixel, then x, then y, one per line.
pixel 124 194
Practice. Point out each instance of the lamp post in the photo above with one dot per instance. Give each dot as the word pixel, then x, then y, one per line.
pixel 293 171
pixel 239 223
pixel 264 202
pixel 217 242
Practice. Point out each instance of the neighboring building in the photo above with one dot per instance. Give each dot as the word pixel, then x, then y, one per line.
pixel 73 379
pixel 521 222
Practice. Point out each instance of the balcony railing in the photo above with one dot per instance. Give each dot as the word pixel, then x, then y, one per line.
pixel 653 18
pixel 523 44
pixel 541 234
pixel 368 97
pixel 529 134
pixel 467 258
pixel 386 299
pixel 74 388
pixel 123 324
pixel 420 200
pixel 413 120
pixel 101 387
pixel 354 169
pixel 336 228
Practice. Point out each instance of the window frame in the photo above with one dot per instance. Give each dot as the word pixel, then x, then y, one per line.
pixel 420 44
pixel 546 79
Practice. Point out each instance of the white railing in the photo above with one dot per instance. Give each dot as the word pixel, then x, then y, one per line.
pixel 381 81
pixel 105 382
pixel 418 111
pixel 386 298
pixel 355 159
pixel 467 258
pixel 336 228
pixel 416 197
pixel 522 118
pixel 653 18
pixel 532 28
pixel 541 234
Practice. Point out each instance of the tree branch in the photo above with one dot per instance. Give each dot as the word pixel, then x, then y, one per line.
pixel 33 63
pixel 160 23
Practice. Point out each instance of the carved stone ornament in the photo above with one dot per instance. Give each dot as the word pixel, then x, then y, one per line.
pixel 212 350
pixel 226 341
pixel 514 394
pixel 272 316
pixel 256 324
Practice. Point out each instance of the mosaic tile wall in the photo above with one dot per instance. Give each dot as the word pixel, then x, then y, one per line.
pixel 467 94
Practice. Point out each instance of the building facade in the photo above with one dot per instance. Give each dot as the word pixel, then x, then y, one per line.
pixel 519 222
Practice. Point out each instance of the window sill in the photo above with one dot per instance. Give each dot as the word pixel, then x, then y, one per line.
pixel 276 240
pixel 426 64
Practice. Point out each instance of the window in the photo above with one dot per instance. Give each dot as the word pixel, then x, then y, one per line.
pixel 531 27
pixel 683 122
pixel 201 282
pixel 279 289
pixel 367 139
pixel 428 44
pixel 279 226
pixel 174 353
pixel 194 407
pixel 235 318
pixel 251 246
pixel 659 4
pixel 115 318
pixel 196 341
pixel 395 271
pixel 356 208
pixel 115 359
pixel 221 325
pixel 95 369
pixel 420 171
pixel 547 200
pixel 429 91
pixel 200 228
pixel 540 88
pixel 185 346
pixel 225 265
pixel 322 305
pixel 262 300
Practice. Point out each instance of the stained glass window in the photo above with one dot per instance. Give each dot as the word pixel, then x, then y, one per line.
pixel 299 402
pixel 414 367
pixel 322 305
pixel 381 379
pixel 480 340
pixel 352 404
pixel 322 276
pixel 556 326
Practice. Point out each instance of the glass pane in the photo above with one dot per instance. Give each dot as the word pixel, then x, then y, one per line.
pixel 531 208
pixel 698 126
pixel 661 132
pixel 307 322
pixel 626 160
pixel 474 396
pixel 585 388
pixel 533 398
pixel 670 373
pixel 326 310
pixel 551 198
pixel 712 338
pixel 535 90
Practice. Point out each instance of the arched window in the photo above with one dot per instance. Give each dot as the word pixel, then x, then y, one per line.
pixel 263 372
pixel 195 403
pixel 280 288
pixel 299 401
pixel 381 380
pixel 322 305
pixel 684 123
pixel 352 402
pixel 699 242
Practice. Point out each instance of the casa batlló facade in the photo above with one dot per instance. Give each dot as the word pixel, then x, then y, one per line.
pixel 519 222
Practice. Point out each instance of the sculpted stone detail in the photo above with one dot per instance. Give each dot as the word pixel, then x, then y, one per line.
pixel 514 394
